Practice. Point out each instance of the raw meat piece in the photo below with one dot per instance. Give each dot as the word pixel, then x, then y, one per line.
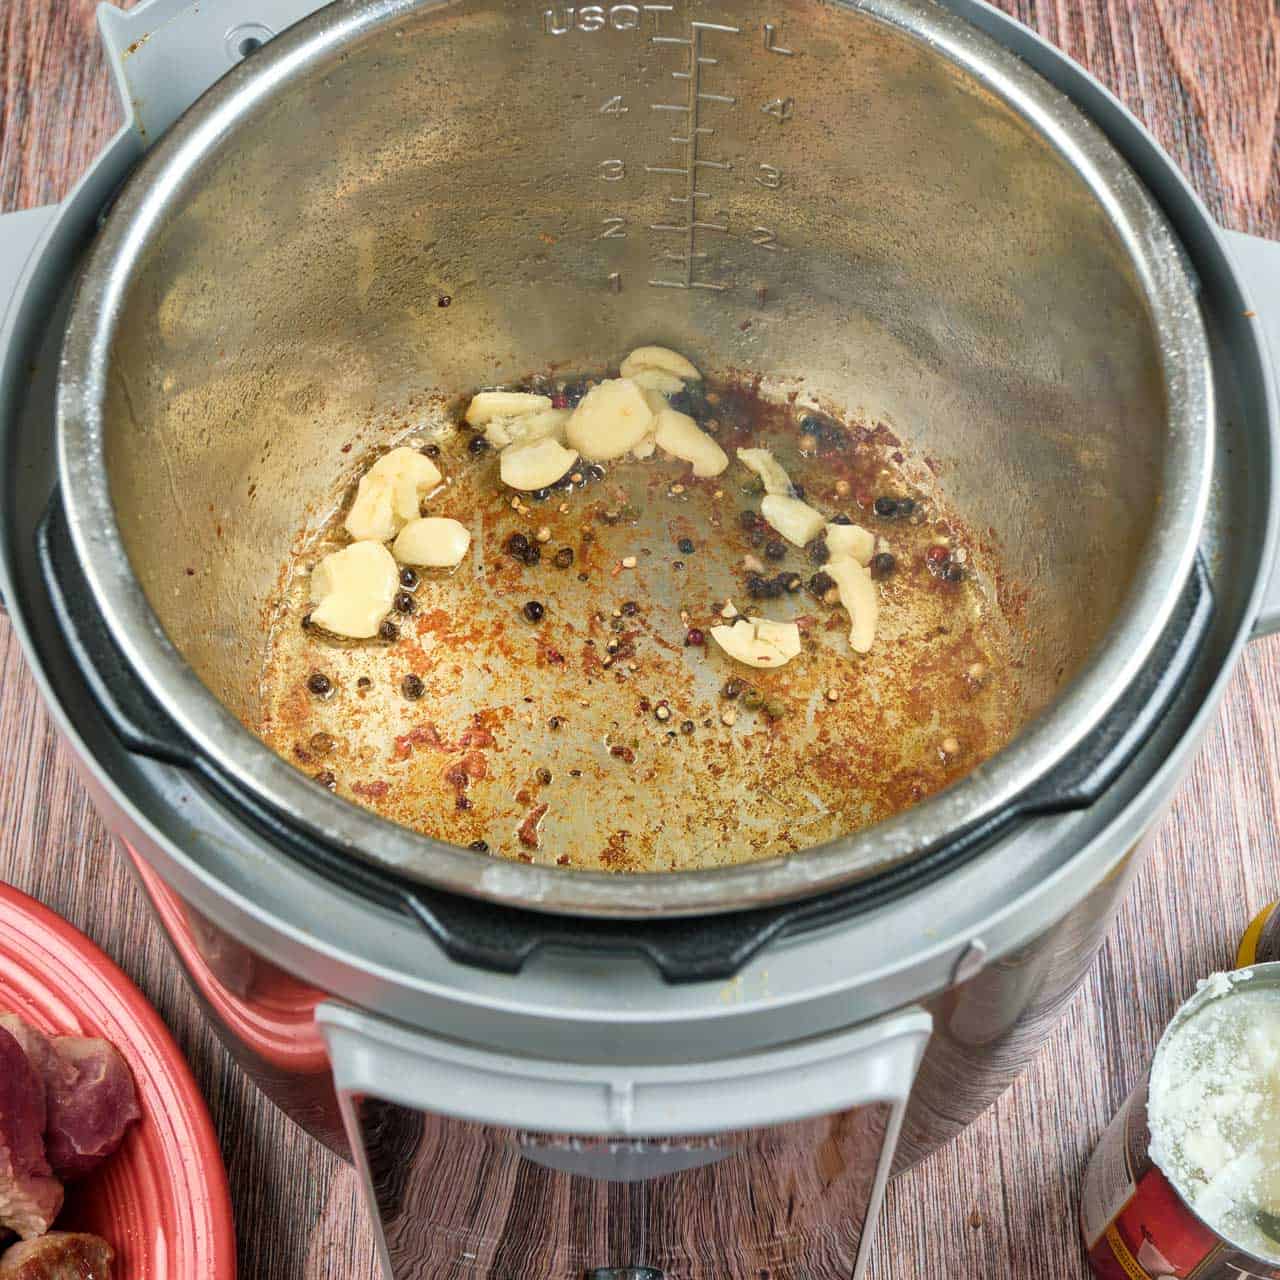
pixel 89 1095
pixel 61 1255
pixel 29 1198
pixel 91 1102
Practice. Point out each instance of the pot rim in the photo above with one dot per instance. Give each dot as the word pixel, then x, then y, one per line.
pixel 250 766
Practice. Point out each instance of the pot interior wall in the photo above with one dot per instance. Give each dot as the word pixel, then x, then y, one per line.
pixel 901 240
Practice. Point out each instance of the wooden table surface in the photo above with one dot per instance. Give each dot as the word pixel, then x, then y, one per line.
pixel 1000 1202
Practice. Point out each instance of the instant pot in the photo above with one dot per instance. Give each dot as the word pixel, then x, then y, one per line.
pixel 930 211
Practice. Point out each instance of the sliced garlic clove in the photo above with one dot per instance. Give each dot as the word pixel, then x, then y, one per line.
pixel 391 493
pixel 541 424
pixel 535 465
pixel 612 418
pixel 353 589
pixel 852 542
pixel 860 600
pixel 373 516
pixel 757 642
pixel 659 358
pixel 644 449
pixel 797 521
pixel 659 380
pixel 768 468
pixel 432 542
pixel 782 636
pixel 656 401
pixel 681 437
pixel 488 405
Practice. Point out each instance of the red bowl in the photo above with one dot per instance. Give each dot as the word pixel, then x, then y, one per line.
pixel 161 1201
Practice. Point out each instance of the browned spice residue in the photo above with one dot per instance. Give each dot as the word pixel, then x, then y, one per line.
pixel 664 752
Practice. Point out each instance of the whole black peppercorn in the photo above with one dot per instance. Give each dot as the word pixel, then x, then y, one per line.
pixel 630 608
pixel 534 610
pixel 477 445
pixel 532 554
pixel 563 558
pixel 748 519
pixel 952 572
pixel 775 550
pixel 389 632
pixel 431 450
pixel 404 602
pixel 732 687
pixel 686 546
pixel 821 583
pixel 886 508
pixel 541 495
pixel 412 687
pixel 841 519
pixel 819 552
pixel 595 472
pixel 882 565
pixel 409 579
pixel 791 581
pixel 906 506
pixel 320 684
pixel 479 846
pixel 761 588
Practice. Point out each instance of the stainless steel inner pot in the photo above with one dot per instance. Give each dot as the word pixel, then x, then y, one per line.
pixel 909 217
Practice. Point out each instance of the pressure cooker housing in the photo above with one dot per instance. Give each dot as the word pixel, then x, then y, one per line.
pixel 992 949
pixel 998 286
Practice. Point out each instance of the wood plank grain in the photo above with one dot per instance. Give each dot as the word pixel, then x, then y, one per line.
pixel 1000 1202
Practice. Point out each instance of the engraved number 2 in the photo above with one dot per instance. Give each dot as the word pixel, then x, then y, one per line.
pixel 613 229
pixel 763 238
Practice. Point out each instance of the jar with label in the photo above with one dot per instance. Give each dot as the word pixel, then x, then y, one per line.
pixel 1186 1180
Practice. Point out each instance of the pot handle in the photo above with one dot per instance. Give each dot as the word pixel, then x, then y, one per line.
pixel 135 718
pixel 581 1132
pixel 1258 263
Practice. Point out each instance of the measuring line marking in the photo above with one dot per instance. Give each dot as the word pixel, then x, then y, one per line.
pixel 691 75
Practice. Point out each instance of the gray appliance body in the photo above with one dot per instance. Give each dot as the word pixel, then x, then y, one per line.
pixel 572 1108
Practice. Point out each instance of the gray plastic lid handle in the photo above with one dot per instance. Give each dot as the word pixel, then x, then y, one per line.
pixel 871 1063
